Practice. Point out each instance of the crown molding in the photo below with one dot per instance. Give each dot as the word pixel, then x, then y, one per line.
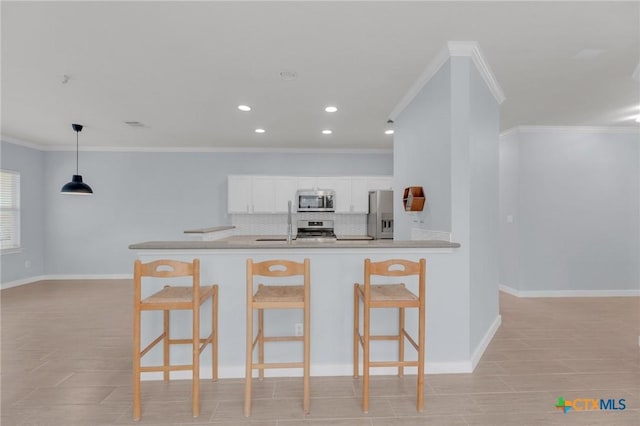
pixel 20 142
pixel 472 49
pixel 627 130
pixel 509 132
pixel 579 129
pixel 65 148
pixel 440 59
pixel 469 49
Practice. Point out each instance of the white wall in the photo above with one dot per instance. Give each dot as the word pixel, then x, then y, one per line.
pixel 509 193
pixel 577 213
pixel 484 135
pixel 154 196
pixel 30 163
pixel 422 157
pixel 446 140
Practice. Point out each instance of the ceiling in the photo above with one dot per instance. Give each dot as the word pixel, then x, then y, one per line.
pixel 181 68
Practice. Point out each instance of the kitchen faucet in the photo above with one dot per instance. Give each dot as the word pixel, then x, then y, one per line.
pixel 290 226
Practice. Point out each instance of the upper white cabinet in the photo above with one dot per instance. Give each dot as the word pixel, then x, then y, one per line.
pixel 239 194
pixel 360 195
pixel 263 195
pixel 271 194
pixel 306 182
pixel 260 194
pixel 379 182
pixel 285 191
pixel 342 187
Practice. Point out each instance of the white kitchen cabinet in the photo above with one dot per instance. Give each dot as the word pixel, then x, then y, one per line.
pixel 271 194
pixel 263 194
pixel 239 194
pixel 379 182
pixel 285 191
pixel 359 195
pixel 306 182
pixel 325 182
pixel 342 187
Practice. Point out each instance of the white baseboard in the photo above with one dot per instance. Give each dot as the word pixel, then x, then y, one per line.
pixel 30 280
pixel 23 281
pixel 509 290
pixel 90 277
pixel 484 343
pixel 324 370
pixel 569 293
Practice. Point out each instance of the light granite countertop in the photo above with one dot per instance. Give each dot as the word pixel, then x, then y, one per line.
pixel 207 230
pixel 272 242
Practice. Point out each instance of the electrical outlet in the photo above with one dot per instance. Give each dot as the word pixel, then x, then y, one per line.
pixel 299 329
pixel 27 264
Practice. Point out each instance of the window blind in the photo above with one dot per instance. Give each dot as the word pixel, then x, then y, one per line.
pixel 9 209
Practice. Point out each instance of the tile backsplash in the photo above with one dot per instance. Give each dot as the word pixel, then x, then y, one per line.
pixel 276 224
pixel 428 234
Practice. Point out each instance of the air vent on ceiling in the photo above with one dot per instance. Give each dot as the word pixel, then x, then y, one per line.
pixel 134 124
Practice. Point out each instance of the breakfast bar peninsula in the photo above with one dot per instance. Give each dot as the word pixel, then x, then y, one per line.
pixel 335 267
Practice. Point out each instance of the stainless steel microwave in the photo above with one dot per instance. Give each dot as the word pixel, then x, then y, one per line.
pixel 316 200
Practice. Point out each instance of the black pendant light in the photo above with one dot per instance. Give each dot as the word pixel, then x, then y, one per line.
pixel 76 186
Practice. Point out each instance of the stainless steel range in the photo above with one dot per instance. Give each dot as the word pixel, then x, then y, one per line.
pixel 316 230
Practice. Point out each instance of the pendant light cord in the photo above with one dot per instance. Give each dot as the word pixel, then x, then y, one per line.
pixel 77 152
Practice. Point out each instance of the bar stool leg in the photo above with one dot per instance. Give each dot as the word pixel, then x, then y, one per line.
pixel 214 331
pixel 421 349
pixel 166 349
pixel 136 364
pixel 196 360
pixel 365 360
pixel 356 331
pixel 307 355
pixel 248 362
pixel 261 343
pixel 401 341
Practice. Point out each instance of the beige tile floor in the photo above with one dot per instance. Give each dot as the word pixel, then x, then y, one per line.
pixel 66 360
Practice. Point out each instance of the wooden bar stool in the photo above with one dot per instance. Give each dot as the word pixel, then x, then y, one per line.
pixel 167 299
pixel 389 296
pixel 276 297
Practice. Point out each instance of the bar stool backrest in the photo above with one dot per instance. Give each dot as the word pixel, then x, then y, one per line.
pixel 277 268
pixel 165 268
pixel 168 268
pixel 394 267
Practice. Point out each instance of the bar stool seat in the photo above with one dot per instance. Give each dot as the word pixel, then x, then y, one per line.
pixel 279 293
pixel 177 295
pixel 395 292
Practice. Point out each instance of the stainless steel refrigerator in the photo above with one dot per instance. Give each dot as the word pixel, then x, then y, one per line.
pixel 380 217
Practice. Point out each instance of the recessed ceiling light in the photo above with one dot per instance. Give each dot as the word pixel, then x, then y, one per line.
pixel 259 130
pixel 326 132
pixel 388 132
pixel 244 108
pixel 331 109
